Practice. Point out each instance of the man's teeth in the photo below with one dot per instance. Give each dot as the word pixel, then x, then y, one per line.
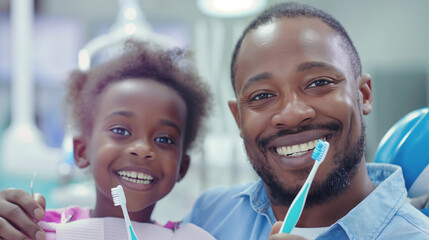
pixel 297 150
pixel 135 177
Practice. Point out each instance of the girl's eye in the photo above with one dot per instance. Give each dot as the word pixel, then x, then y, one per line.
pixel 165 140
pixel 121 131
pixel 319 83
pixel 262 96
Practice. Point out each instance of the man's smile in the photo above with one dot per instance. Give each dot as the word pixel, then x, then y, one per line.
pixel 288 142
pixel 297 149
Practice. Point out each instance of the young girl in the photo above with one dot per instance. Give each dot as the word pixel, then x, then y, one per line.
pixel 135 117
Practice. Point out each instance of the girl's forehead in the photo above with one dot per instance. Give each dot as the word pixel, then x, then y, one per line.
pixel 145 96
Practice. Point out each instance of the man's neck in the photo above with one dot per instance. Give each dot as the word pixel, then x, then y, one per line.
pixel 328 213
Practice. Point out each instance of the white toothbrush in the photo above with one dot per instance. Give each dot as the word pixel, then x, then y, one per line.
pixel 295 209
pixel 119 199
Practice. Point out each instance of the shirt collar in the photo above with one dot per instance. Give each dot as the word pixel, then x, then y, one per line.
pixel 370 216
pixel 365 220
pixel 259 201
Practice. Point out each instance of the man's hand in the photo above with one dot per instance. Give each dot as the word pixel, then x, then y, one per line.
pixel 274 235
pixel 19 212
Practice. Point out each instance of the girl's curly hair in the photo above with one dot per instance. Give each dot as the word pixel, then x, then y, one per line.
pixel 172 67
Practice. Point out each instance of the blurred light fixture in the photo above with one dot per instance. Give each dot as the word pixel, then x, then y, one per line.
pixel 130 23
pixel 130 13
pixel 130 28
pixel 231 8
pixel 23 147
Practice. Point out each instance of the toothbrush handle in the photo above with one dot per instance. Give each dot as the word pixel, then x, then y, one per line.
pixel 130 230
pixel 132 233
pixel 295 210
pixel 298 203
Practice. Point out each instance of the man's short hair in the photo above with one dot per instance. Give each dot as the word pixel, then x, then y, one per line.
pixel 292 10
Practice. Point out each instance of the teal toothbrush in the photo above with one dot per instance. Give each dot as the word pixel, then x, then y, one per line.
pixel 295 209
pixel 119 199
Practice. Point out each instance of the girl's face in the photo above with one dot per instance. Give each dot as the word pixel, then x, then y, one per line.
pixel 137 142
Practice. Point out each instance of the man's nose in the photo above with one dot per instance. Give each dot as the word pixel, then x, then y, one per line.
pixel 142 149
pixel 292 112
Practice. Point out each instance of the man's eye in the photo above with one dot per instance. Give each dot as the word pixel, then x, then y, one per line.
pixel 165 140
pixel 121 131
pixel 262 96
pixel 319 83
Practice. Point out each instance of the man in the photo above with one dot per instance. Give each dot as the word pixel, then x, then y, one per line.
pixel 297 78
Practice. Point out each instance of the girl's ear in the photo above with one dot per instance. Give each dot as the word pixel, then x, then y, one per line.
pixel 79 152
pixel 184 166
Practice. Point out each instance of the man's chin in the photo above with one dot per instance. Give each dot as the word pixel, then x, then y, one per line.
pixel 336 183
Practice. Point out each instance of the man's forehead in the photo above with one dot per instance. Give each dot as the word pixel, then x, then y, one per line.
pixel 294 28
pixel 298 39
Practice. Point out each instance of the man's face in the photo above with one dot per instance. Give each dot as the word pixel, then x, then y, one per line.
pixel 294 85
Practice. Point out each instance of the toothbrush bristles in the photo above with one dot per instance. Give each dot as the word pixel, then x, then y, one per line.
pixel 320 150
pixel 116 196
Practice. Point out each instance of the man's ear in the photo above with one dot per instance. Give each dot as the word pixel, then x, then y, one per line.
pixel 184 166
pixel 365 90
pixel 79 152
pixel 233 106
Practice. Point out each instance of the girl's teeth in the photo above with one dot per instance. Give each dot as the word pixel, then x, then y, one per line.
pixel 136 180
pixel 135 177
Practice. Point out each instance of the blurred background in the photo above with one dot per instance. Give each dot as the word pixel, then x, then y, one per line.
pixel 42 41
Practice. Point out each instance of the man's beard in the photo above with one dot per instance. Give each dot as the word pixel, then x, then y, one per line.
pixel 337 182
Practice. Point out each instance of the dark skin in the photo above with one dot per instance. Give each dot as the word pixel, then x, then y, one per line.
pixel 296 74
pixel 292 72
pixel 274 235
pixel 18 210
pixel 139 127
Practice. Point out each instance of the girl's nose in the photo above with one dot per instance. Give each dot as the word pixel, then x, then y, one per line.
pixel 292 112
pixel 141 149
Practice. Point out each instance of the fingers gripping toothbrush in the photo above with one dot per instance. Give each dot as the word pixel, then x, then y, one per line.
pixel 295 209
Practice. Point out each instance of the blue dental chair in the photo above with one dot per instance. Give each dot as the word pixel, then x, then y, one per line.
pixel 407 144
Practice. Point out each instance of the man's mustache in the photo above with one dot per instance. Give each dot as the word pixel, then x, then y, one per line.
pixel 264 142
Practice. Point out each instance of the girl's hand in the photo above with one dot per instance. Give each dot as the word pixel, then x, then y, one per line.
pixel 19 212
pixel 274 235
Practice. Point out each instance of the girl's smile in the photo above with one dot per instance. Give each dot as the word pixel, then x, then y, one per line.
pixel 139 179
pixel 137 142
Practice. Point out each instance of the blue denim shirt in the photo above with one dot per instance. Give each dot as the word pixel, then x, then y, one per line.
pixel 244 212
